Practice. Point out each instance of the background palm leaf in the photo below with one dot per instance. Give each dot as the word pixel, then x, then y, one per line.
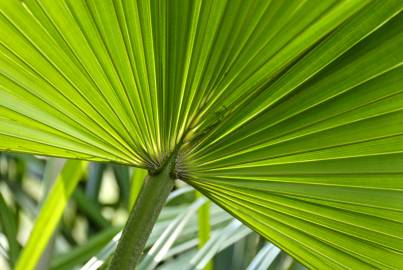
pixel 288 114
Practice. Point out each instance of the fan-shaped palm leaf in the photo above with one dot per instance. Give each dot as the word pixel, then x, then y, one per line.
pixel 286 113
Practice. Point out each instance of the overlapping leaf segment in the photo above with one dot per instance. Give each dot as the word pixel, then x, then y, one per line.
pixel 288 113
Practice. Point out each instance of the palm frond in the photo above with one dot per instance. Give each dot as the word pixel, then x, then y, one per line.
pixel 52 210
pixel 288 114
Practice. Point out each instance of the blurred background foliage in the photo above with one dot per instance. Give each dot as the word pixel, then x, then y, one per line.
pixel 191 232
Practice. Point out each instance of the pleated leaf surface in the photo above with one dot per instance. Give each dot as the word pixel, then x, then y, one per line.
pixel 288 114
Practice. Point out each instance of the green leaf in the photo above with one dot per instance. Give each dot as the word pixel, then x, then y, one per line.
pixel 264 258
pixel 138 176
pixel 288 114
pixel 203 220
pixel 166 240
pixel 226 237
pixel 9 227
pixel 83 252
pixel 52 170
pixel 50 214
pixel 94 181
pixel 90 209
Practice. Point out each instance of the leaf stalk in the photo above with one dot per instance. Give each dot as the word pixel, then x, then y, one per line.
pixel 143 216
